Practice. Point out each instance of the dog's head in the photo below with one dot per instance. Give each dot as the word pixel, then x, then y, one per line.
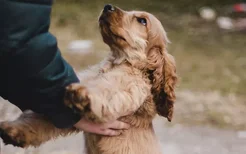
pixel 140 39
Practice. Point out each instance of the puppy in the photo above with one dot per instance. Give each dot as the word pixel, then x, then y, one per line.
pixel 135 82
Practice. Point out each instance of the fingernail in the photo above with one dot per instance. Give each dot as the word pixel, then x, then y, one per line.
pixel 127 126
pixel 116 134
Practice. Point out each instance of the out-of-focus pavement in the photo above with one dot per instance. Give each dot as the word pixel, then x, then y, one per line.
pixel 176 139
pixel 199 140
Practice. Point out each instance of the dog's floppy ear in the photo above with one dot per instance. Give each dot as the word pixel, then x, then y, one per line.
pixel 162 70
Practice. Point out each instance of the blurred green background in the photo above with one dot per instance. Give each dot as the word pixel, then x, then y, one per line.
pixel 211 62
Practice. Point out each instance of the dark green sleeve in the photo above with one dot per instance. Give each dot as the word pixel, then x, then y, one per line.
pixel 35 72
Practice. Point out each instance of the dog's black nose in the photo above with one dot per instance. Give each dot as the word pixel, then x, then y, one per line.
pixel 108 7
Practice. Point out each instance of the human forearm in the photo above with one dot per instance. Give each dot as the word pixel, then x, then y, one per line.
pixel 36 74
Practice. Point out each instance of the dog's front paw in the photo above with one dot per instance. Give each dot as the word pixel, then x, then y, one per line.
pixel 76 98
pixel 13 135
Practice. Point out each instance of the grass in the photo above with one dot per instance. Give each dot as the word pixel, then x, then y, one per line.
pixel 208 58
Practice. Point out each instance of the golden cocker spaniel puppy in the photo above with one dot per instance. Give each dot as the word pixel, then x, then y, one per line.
pixel 135 82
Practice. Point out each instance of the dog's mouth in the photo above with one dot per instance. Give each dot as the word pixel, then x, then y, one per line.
pixel 102 20
pixel 108 23
pixel 119 37
pixel 105 24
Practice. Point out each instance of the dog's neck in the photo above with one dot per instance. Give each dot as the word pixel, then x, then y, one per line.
pixel 135 58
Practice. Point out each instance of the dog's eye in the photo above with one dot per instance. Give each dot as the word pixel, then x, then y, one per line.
pixel 142 21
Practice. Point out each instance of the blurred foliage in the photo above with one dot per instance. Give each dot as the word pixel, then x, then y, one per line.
pixel 160 5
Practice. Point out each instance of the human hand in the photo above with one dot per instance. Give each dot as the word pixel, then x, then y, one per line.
pixel 109 129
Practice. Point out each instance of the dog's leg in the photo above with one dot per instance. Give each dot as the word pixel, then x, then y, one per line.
pixel 30 129
pixel 100 102
pixel 76 97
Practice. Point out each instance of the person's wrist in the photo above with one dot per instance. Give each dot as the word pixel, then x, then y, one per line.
pixel 79 123
pixel 82 124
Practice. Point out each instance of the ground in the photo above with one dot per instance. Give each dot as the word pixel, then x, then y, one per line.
pixel 175 139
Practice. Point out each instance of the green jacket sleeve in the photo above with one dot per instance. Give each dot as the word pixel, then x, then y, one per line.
pixel 33 71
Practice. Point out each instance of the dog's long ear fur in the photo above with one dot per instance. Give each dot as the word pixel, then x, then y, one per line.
pixel 162 70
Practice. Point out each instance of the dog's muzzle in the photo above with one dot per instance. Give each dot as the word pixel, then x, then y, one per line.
pixel 108 8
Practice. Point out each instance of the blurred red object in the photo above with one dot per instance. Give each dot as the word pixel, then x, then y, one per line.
pixel 240 7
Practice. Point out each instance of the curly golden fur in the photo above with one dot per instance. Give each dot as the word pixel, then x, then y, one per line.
pixel 134 83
